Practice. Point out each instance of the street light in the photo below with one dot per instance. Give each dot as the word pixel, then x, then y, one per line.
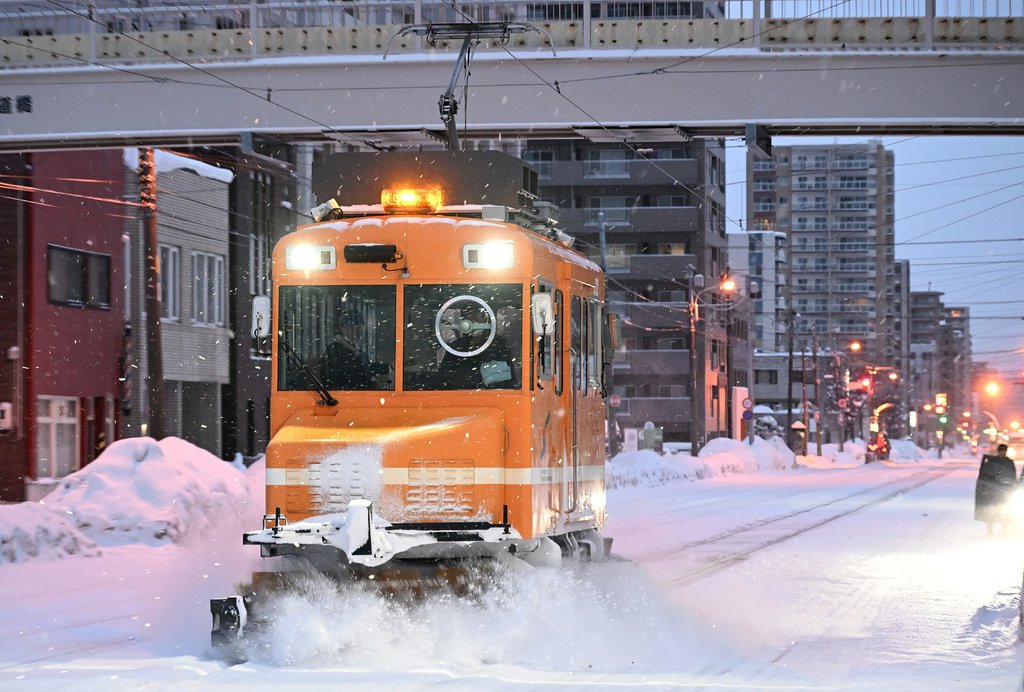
pixel 698 406
pixel 992 388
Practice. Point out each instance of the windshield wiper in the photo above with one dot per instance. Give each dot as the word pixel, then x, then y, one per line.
pixel 321 389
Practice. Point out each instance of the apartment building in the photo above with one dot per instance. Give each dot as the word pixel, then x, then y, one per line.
pixel 954 357
pixel 835 204
pixel 926 309
pixel 762 256
pixel 662 210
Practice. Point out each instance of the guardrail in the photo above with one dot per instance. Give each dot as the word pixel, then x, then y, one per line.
pixel 40 34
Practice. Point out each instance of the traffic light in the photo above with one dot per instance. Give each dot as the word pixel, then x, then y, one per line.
pixel 943 419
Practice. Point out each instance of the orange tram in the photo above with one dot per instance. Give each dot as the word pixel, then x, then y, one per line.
pixel 437 387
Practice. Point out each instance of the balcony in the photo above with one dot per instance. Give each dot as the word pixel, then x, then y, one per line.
pixel 818 165
pixel 658 409
pixel 661 265
pixel 845 186
pixel 661 362
pixel 647 219
pixel 606 168
pixel 854 207
pixel 656 315
pixel 620 172
pixel 866 271
pixel 850 165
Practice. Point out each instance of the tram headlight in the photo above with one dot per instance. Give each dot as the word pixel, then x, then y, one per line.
pixel 496 254
pixel 305 257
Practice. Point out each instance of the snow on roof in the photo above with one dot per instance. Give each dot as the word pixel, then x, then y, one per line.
pixel 167 162
pixel 143 491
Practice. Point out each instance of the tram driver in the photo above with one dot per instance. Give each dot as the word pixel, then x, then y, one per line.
pixel 346 365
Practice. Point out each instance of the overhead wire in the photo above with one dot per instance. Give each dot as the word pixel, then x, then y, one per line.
pixel 660 71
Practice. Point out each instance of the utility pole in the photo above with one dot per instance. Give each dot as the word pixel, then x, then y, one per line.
pixel 803 397
pixel 151 248
pixel 608 370
pixel 789 382
pixel 839 395
pixel 697 407
pixel 817 397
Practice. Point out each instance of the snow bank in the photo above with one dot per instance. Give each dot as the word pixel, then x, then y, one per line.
pixel 728 455
pixel 29 530
pixel 646 468
pixel 723 456
pixel 143 491
pixel 720 457
pixel 905 450
pixel 773 454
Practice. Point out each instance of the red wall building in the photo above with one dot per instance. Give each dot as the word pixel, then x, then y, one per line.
pixel 62 307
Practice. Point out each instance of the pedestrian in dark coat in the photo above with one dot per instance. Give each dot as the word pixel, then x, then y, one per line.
pixel 997 480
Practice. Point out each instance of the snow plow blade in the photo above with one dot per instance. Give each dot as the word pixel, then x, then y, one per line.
pixel 358 537
pixel 238 619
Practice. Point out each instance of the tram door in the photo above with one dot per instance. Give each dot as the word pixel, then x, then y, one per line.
pixel 577 389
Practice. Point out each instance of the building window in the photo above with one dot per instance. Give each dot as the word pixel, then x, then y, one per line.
pixel 126 267
pixel 606 163
pixel 207 288
pixel 541 160
pixel 170 283
pixel 672 201
pixel 78 278
pixel 766 377
pixel 56 436
pixel 260 238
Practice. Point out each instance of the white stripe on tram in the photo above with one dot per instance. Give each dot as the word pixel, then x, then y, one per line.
pixel 450 476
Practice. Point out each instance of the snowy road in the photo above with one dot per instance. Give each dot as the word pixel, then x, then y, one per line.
pixel 873 578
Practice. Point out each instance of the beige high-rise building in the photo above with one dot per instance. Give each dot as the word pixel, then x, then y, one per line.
pixel 835 204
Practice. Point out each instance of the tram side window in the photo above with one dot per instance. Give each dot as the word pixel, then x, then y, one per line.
pixel 343 335
pixel 594 344
pixel 559 301
pixel 463 336
pixel 547 345
pixel 577 344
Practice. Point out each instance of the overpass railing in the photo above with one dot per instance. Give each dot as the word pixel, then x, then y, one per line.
pixel 60 32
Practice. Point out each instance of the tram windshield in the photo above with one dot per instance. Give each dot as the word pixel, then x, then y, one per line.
pixel 463 336
pixel 344 335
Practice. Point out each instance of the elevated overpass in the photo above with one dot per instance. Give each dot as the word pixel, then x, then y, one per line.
pixel 75 76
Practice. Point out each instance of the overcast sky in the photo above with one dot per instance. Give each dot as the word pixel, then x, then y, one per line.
pixel 948 190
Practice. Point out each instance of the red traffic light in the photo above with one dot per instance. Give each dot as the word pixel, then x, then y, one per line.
pixel 940 409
